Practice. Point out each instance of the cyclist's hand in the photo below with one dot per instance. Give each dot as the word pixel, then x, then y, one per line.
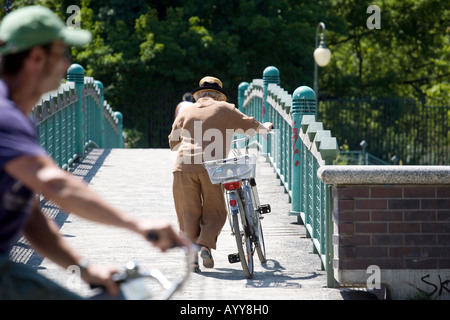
pixel 163 236
pixel 268 125
pixel 265 127
pixel 100 276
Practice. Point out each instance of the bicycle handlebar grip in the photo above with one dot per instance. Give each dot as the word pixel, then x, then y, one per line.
pixel 117 277
pixel 152 236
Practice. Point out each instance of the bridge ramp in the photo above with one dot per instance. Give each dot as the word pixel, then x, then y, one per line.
pixel 140 182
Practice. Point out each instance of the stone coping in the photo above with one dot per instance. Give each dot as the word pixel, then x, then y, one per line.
pixel 357 175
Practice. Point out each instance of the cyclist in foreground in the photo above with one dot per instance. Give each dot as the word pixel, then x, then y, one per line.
pixel 201 133
pixel 33 42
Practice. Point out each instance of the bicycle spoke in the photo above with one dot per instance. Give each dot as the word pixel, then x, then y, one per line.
pixel 242 245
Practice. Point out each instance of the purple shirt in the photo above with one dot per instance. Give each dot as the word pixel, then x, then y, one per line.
pixel 18 137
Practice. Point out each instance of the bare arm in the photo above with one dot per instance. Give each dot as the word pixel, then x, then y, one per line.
pixel 265 127
pixel 43 234
pixel 42 175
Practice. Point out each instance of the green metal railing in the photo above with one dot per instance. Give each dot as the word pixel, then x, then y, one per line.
pixel 75 117
pixel 296 149
pixel 415 132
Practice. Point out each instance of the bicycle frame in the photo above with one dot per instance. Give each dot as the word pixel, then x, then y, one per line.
pixel 247 213
pixel 249 191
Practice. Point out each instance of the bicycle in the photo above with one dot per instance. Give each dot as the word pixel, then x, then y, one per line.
pixel 236 175
pixel 131 280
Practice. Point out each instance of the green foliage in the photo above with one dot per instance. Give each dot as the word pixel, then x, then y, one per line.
pixel 161 46
pixel 144 47
pixel 408 56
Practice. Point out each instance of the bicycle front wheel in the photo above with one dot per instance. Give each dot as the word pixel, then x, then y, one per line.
pixel 243 243
pixel 256 222
pixel 260 247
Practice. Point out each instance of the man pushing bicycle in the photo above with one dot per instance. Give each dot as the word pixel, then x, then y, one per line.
pixel 201 133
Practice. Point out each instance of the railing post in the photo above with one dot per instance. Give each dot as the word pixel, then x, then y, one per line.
pixel 303 103
pixel 119 118
pixel 241 90
pixel 270 75
pixel 101 142
pixel 75 73
pixel 329 151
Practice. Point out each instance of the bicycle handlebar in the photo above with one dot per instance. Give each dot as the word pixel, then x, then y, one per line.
pixel 246 138
pixel 132 272
pixel 153 236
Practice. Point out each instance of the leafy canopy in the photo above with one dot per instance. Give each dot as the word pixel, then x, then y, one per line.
pixel 145 46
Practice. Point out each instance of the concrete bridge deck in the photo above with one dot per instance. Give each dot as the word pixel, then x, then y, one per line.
pixel 140 182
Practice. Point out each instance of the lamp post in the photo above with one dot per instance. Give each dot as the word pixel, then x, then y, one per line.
pixel 322 56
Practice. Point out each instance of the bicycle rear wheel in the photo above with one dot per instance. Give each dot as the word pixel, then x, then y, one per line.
pixel 243 242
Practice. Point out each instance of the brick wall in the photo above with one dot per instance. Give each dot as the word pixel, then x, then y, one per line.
pixel 393 221
pixel 393 227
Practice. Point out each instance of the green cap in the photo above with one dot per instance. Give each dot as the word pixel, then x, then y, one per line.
pixel 32 26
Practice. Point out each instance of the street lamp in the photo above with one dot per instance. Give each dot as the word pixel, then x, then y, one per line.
pixel 322 56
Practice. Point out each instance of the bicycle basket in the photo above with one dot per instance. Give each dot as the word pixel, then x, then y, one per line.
pixel 231 169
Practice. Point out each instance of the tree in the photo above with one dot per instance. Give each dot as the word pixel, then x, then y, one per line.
pixel 408 56
pixel 148 53
pixel 168 46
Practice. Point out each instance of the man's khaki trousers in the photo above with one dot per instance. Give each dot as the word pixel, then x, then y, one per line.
pixel 200 207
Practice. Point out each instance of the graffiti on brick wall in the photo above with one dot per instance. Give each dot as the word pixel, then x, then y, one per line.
pixel 430 286
pixel 434 286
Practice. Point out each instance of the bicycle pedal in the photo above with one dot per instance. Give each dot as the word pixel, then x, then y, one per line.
pixel 233 258
pixel 264 208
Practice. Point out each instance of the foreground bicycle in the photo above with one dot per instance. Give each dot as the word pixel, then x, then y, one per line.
pixel 237 178
pixel 132 280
